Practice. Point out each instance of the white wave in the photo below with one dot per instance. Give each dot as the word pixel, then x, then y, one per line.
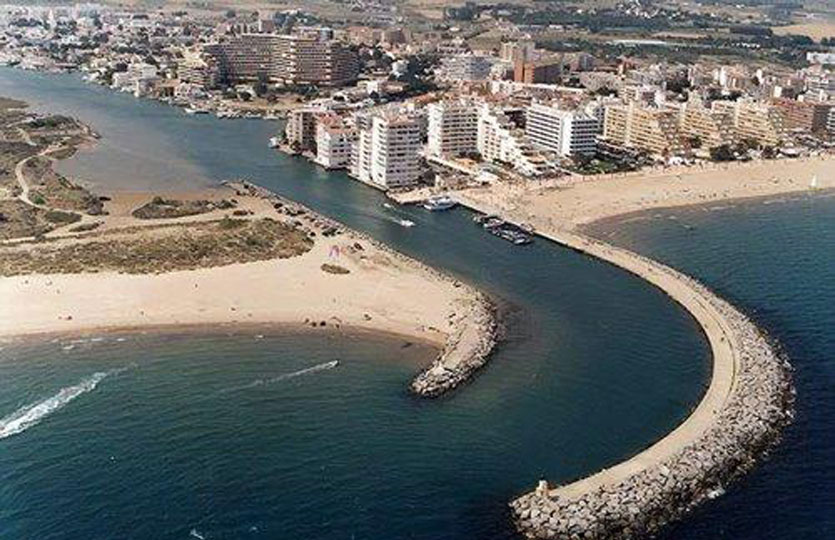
pixel 31 415
pixel 259 382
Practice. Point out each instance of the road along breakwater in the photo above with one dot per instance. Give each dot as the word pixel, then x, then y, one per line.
pixel 474 328
pixel 740 418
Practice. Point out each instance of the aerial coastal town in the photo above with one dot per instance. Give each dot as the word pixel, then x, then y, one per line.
pixel 487 94
pixel 541 117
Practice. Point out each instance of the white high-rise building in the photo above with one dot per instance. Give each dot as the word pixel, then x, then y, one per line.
pixel 334 142
pixel 562 131
pixel 387 149
pixel 500 141
pixel 453 128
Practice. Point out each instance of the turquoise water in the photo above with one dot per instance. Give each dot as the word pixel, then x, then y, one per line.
pixel 596 366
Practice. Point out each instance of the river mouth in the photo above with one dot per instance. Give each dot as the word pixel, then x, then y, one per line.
pixel 600 365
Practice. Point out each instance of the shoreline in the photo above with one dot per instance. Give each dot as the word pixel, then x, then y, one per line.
pixel 746 404
pixel 601 226
pixel 257 330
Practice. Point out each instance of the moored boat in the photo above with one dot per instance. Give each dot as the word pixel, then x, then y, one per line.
pixel 439 203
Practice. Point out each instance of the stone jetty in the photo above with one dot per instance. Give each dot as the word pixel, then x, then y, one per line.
pixel 467 349
pixel 748 403
pixel 475 326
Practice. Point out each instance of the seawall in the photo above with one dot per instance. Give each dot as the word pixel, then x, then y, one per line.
pixel 740 417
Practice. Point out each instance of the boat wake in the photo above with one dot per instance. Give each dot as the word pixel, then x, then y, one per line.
pixel 306 371
pixel 31 415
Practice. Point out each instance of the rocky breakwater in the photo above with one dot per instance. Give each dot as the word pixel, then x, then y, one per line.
pixel 723 438
pixel 475 327
pixel 467 349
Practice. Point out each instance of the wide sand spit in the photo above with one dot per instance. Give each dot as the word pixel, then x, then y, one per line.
pixel 377 289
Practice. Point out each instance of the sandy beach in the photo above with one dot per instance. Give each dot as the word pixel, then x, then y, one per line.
pixel 380 290
pixel 577 201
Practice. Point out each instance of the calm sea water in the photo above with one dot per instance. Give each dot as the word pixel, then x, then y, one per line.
pixel 776 260
pixel 597 365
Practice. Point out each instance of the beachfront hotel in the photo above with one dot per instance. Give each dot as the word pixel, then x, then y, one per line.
pixel 501 142
pixel 712 127
pixel 754 121
pixel 565 132
pixel 654 129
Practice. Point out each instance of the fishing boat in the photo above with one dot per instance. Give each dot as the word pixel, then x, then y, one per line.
pixel 439 203
pixel 406 223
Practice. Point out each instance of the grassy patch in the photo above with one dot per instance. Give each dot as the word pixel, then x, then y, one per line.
pixel 19 220
pixel 59 217
pixel 169 248
pixel 161 208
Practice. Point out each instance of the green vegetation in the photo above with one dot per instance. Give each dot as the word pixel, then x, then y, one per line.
pixel 59 217
pixel 161 208
pixel 166 248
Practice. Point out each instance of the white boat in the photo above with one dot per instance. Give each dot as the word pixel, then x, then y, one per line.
pixel 387 205
pixel 439 203
pixel 274 142
pixel 814 183
pixel 406 223
pixel 194 110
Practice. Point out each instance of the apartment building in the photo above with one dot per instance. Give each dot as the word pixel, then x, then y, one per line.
pixel 386 153
pixel 335 139
pixel 465 68
pixel 518 51
pixel 753 121
pixel 546 71
pixel 712 127
pixel 453 128
pixel 300 130
pixel 806 115
pixel 500 141
pixel 830 122
pixel 566 132
pixel 654 129
pixel 198 69
pixel 309 58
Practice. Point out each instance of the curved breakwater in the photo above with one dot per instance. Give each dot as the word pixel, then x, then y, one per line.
pixel 748 402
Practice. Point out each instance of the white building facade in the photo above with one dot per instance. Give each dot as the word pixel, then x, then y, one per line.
pixel 562 131
pixel 453 128
pixel 387 150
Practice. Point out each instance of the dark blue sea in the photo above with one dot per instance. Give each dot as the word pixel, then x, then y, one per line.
pixel 265 433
